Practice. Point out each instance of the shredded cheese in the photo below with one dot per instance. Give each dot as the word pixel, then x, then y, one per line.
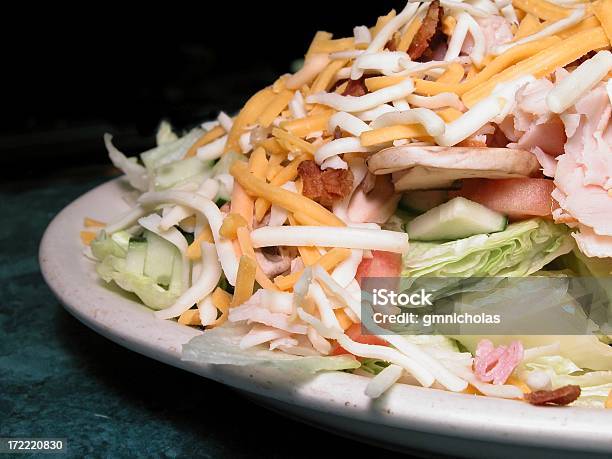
pixel 328 262
pixel 248 115
pixel 258 163
pixel 244 240
pixel 272 146
pixel 449 114
pixel 365 102
pixel 293 202
pixel 542 63
pixel 566 92
pixel 542 9
pixel 330 45
pixel 530 24
pixel 206 138
pixel 431 122
pixel 194 251
pixel 275 107
pixel 304 126
pixel 221 300
pixel 242 204
pixel 90 222
pixel 325 78
pixel 390 133
pixel 293 140
pixel 190 317
pixel 87 237
pixel 603 11
pixel 230 225
pixel 609 401
pixel 453 74
pixel 320 236
pixel 245 281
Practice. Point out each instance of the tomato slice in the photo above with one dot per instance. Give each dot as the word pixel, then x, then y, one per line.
pixel 382 264
pixel 517 198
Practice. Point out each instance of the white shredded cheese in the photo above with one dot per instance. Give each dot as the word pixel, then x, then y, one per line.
pixel 465 24
pixel 444 99
pixel 383 381
pixel 225 121
pixel 433 124
pixel 326 236
pixel 208 189
pixel 339 146
pixel 213 150
pixel 566 92
pixel 296 106
pixel 362 35
pixel 348 123
pixel 365 102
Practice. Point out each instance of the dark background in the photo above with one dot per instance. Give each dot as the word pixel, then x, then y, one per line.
pixel 69 76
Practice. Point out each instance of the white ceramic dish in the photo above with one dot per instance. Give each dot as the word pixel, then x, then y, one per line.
pixel 406 418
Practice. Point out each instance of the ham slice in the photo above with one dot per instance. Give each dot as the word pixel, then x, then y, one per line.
pixel 496 364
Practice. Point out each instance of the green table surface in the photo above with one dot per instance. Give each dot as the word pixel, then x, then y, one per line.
pixel 60 379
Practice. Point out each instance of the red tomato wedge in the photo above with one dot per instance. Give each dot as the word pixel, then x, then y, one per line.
pixel 382 264
pixel 517 198
pixel 354 333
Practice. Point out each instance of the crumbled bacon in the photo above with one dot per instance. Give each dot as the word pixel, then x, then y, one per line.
pixel 562 396
pixel 337 133
pixel 326 186
pixel 429 28
pixel 356 88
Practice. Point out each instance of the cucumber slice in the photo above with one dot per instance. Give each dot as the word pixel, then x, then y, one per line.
pixel 455 219
pixel 170 174
pixel 136 257
pixel 159 259
pixel 422 201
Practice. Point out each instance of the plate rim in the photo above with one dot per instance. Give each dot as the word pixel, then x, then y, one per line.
pixel 134 326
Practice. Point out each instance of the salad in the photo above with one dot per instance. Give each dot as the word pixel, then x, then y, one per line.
pixel 452 138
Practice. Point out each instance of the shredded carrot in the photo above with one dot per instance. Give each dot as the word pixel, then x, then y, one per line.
pixel 544 62
pixel 453 74
pixel 242 204
pixel 194 252
pixel 90 222
pixel 275 107
pixel 246 246
pixel 328 261
pixel 206 138
pixel 87 237
pixel 248 115
pixel 542 9
pixel 390 133
pixel 325 79
pixel 293 202
pixel 190 317
pixel 303 126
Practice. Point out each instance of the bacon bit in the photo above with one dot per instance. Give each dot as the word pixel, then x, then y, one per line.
pixel 337 133
pixel 427 31
pixel 356 88
pixel 325 187
pixel 496 364
pixel 562 396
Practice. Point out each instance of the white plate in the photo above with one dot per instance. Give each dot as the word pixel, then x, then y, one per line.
pixel 407 418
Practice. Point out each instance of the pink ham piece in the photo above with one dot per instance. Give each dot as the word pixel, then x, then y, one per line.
pixel 496 31
pixel 496 364
pixel 375 206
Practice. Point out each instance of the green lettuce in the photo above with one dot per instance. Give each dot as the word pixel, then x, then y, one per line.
pixel 221 346
pixel 595 385
pixel 520 250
